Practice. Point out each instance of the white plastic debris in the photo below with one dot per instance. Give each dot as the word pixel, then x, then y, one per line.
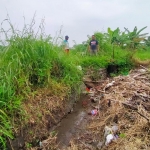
pixel 94 112
pixel 109 85
pixel 109 139
pixel 142 70
pixel 40 143
pixel 79 67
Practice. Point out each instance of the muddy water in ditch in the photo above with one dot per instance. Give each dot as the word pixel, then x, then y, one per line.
pixel 73 124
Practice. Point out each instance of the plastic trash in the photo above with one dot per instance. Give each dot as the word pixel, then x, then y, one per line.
pixel 87 89
pixel 109 84
pixel 109 139
pixel 79 68
pixel 142 70
pixel 40 143
pixel 94 112
pixel 116 137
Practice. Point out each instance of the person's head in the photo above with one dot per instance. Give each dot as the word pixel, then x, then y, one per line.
pixel 66 37
pixel 93 37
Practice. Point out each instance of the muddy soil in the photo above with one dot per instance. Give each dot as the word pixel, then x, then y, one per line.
pixel 74 126
pixel 74 123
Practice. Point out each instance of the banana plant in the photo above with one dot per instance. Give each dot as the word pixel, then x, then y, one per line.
pixel 135 36
pixel 147 41
pixel 114 37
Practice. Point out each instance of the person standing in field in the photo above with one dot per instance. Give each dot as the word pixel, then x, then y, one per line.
pixel 93 46
pixel 66 44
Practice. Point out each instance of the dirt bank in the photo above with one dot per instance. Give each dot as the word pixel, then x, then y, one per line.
pixel 43 111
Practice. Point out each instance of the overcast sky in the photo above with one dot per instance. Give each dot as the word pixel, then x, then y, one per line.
pixel 79 18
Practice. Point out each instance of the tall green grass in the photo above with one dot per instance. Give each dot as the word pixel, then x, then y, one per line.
pixel 29 60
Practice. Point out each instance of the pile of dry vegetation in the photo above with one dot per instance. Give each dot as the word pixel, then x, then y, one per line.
pixel 125 104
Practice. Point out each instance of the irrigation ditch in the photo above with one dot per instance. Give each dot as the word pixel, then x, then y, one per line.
pixel 120 102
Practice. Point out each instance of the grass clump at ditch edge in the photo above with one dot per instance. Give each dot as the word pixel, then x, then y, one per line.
pixel 122 59
pixel 142 54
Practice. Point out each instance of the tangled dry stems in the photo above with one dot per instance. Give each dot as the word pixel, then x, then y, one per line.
pixel 133 90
